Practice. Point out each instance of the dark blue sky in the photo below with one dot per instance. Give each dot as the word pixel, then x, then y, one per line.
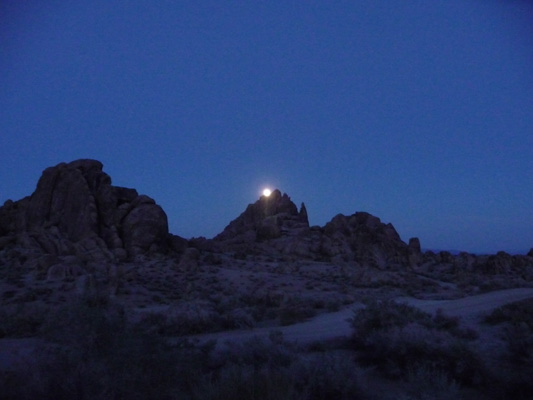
pixel 419 112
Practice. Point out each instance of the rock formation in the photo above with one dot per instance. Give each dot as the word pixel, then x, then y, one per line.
pixel 268 218
pixel 414 251
pixel 363 238
pixel 76 216
pixel 76 211
pixel 274 224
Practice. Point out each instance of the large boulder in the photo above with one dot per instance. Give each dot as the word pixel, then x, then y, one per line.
pixel 65 197
pixel 76 210
pixel 145 227
pixel 363 238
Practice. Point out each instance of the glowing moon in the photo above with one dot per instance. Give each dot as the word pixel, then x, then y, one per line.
pixel 267 192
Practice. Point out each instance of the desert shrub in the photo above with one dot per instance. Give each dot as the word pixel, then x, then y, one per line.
pixel 180 323
pixel 189 318
pixel 21 320
pixel 397 338
pixel 263 297
pixel 516 361
pixel 136 365
pixel 294 311
pixel 519 340
pixel 388 314
pixel 96 354
pixel 8 294
pixel 238 382
pixel 13 272
pixel 333 305
pixel 254 369
pixel 327 376
pixel 397 350
pixel 448 323
pixel 137 368
pixel 424 384
pixel 257 352
pixel 89 325
pixel 512 379
pixel 516 313
pixel 384 315
pixel 445 322
pixel 269 368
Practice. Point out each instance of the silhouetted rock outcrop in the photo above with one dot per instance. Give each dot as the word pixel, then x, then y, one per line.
pixel 267 218
pixel 414 246
pixel 274 225
pixel 414 251
pixel 76 216
pixel 363 238
pixel 76 210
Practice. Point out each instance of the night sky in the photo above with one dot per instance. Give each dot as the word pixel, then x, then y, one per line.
pixel 419 112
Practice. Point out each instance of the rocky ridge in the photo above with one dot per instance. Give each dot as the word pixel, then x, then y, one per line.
pixel 274 224
pixel 76 216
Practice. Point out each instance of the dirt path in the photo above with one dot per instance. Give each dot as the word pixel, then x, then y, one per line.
pixel 333 325
pixel 324 326
pixel 471 306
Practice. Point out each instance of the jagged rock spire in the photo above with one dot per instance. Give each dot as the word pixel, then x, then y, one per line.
pixel 265 219
pixel 303 214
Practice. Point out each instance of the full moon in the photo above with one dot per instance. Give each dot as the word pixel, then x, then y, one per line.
pixel 267 192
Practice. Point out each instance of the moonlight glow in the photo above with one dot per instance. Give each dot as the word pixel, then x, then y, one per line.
pixel 267 192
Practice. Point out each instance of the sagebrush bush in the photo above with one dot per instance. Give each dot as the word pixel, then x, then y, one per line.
pixel 397 338
pixel 22 320
pixel 95 354
pixel 258 352
pixel 294 312
pixel 517 313
pixel 269 368
pixel 385 315
pixel 189 318
pixel 516 360
pixel 240 382
pixel 328 376
pixel 424 383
